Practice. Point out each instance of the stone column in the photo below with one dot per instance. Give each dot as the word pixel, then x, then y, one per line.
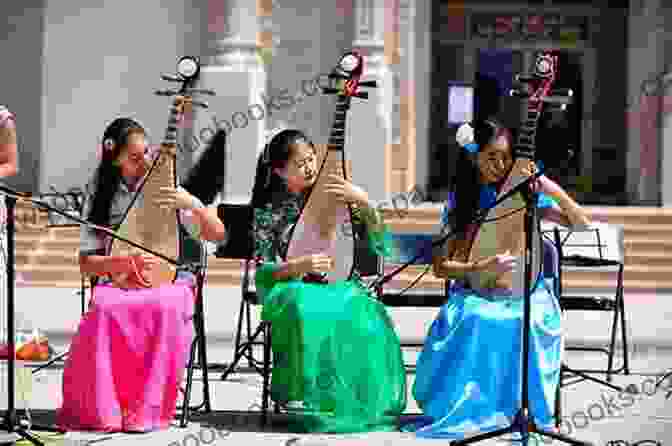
pixel 422 62
pixel 237 41
pixel 403 175
pixel 646 64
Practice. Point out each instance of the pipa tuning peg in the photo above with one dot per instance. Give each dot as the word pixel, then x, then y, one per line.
pixel 330 90
pixel 200 104
pixel 170 78
pixel 525 78
pixel 560 107
pixel 368 84
pixel 165 92
pixel 557 100
pixel 335 75
pixel 517 93
pixel 362 95
pixel 562 92
pixel 201 91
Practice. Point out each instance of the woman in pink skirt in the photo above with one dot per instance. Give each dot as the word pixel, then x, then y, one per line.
pixel 128 356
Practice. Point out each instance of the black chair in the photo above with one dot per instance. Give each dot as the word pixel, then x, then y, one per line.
pixel 199 342
pixel 599 248
pixel 410 245
pixel 239 245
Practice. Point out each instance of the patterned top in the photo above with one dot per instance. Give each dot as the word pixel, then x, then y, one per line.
pixel 94 242
pixel 272 226
pixel 7 118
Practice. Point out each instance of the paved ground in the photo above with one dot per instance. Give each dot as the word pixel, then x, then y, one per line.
pixel 592 412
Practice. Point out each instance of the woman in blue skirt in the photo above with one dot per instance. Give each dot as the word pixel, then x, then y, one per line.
pixel 468 373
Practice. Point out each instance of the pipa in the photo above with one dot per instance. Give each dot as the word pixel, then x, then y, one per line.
pixel 146 223
pixel 504 227
pixel 320 210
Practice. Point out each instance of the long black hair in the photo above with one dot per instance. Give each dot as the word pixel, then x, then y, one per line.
pixel 206 178
pixel 467 179
pixel 267 184
pixel 107 177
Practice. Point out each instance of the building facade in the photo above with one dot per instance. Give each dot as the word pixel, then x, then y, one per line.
pixel 77 65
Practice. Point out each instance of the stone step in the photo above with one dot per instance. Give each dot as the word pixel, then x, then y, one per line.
pixel 630 215
pixel 61 278
pixel 64 267
pixel 653 258
pixel 648 229
pixel 48 256
pixel 649 244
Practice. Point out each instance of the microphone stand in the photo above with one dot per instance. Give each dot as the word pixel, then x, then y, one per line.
pixel 523 421
pixel 11 425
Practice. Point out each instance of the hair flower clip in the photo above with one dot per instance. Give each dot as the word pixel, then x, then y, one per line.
pixel 465 138
pixel 108 144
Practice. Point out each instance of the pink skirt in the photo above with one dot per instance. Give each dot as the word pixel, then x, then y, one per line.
pixel 127 360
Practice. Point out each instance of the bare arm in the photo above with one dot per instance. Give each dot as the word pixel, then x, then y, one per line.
pixel 566 212
pixel 443 268
pixel 210 226
pixel 8 156
pixel 96 265
pixel 288 270
pixel 199 221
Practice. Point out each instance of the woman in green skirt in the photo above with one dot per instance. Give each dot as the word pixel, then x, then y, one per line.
pixel 337 362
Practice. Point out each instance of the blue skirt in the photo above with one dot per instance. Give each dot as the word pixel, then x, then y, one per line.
pixel 468 375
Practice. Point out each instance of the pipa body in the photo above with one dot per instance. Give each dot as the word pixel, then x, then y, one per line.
pixel 318 230
pixel 504 231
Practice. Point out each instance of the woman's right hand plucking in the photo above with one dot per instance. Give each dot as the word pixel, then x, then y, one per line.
pixel 314 263
pixel 145 262
pixel 502 263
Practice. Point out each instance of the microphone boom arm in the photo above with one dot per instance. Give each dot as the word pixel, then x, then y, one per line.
pixel 24 198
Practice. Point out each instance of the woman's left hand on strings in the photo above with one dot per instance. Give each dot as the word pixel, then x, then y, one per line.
pixel 173 198
pixel 346 192
pixel 530 170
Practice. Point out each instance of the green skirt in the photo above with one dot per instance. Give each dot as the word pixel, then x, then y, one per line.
pixel 334 349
